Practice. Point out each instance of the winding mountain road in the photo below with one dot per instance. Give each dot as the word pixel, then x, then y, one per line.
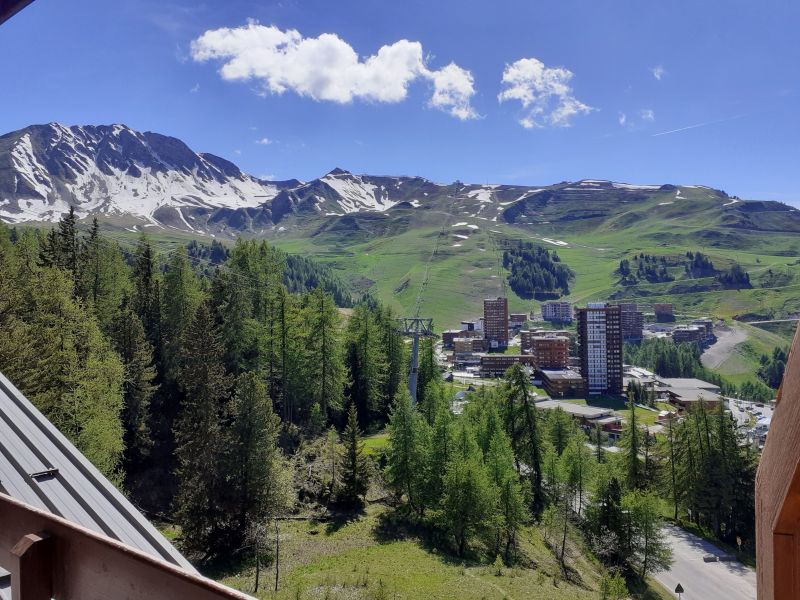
pixel 704 580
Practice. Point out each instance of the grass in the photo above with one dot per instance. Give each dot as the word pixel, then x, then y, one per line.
pixel 369 558
pixel 374 444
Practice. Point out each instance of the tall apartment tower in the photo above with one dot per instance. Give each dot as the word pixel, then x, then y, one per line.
pixel 495 322
pixel 632 319
pixel 600 341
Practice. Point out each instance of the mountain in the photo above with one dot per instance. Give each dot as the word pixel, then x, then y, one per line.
pixel 114 170
pixel 151 180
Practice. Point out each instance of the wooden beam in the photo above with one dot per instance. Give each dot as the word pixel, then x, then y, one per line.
pixel 8 8
pixel 32 573
pixel 88 566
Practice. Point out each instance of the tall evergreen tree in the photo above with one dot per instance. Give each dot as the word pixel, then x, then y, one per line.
pixel 130 342
pixel 355 464
pixel 406 453
pixel 630 443
pixel 202 500
pixel 522 429
pixel 254 456
pixel 324 363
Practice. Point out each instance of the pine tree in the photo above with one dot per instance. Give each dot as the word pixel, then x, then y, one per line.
pixel 630 444
pixel 146 300
pixel 511 506
pixel 324 364
pixel 181 297
pixel 406 453
pixel 522 428
pixel 650 551
pixel 201 439
pixel 560 428
pixel 254 456
pixel 469 497
pixel 355 464
pixel 130 342
pixel 366 363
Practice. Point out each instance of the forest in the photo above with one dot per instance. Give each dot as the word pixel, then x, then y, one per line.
pixel 221 401
pixel 536 272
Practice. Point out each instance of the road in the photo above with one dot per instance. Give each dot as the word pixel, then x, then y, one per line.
pixel 727 340
pixel 702 580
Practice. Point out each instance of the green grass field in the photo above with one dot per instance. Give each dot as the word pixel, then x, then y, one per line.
pixel 368 558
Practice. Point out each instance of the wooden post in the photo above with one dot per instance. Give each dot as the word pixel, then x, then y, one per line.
pixel 32 575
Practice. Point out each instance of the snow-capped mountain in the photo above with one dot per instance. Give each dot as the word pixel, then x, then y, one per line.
pixel 115 170
pixel 152 180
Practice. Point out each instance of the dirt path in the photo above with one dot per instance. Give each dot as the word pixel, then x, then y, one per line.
pixel 728 337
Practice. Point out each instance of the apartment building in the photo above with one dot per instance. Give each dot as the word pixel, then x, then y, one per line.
pixel 600 342
pixel 495 322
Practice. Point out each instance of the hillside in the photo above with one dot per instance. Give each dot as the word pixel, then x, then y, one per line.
pixel 379 232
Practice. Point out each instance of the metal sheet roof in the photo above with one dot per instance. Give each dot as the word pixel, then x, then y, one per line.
pixel 40 467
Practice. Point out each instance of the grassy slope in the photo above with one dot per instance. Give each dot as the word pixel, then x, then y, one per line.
pixel 461 276
pixel 363 558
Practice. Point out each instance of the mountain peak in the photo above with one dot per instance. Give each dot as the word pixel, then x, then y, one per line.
pixel 337 171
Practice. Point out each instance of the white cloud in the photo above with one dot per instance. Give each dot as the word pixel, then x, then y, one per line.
pixel 647 114
pixel 195 88
pixel 237 152
pixel 264 141
pixel 326 68
pixel 658 71
pixel 544 93
pixel 622 118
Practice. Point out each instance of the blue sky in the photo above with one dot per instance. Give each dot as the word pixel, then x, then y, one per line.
pixel 721 76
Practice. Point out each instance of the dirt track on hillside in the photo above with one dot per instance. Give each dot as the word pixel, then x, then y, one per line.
pixel 728 337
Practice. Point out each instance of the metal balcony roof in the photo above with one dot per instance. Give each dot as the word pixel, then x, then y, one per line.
pixel 40 467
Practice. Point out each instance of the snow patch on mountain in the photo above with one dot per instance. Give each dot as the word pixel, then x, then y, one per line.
pixel 355 194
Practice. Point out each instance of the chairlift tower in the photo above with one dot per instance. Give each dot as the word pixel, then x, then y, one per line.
pixel 415 328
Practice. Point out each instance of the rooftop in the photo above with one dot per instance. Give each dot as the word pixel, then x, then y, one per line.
pixel 573 408
pixel 562 374
pixel 40 467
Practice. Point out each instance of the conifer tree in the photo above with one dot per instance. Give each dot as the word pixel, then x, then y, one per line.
pixel 130 342
pixel 511 506
pixel 324 364
pixel 366 363
pixel 254 456
pixel 355 464
pixel 406 453
pixel 201 439
pixel 181 297
pixel 630 444
pixel 522 429
pixel 469 497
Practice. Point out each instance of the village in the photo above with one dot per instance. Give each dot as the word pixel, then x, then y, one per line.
pixel 574 356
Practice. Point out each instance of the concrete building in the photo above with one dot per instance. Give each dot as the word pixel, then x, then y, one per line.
pixel 449 336
pixel 467 345
pixel 562 383
pixel 495 365
pixel 632 320
pixel 495 322
pixel 664 312
pixel 517 320
pixel 587 417
pixel 475 325
pixel 691 334
pixel 557 312
pixel 526 337
pixel 707 326
pixel 600 341
pixel 549 352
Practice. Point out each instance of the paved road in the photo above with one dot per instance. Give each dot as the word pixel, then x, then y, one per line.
pixel 701 580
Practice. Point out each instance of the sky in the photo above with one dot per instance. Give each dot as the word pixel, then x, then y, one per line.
pixel 519 92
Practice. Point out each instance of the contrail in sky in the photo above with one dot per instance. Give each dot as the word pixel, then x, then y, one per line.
pixel 699 125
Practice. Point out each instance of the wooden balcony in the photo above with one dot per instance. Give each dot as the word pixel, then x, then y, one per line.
pixel 778 493
pixel 48 557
